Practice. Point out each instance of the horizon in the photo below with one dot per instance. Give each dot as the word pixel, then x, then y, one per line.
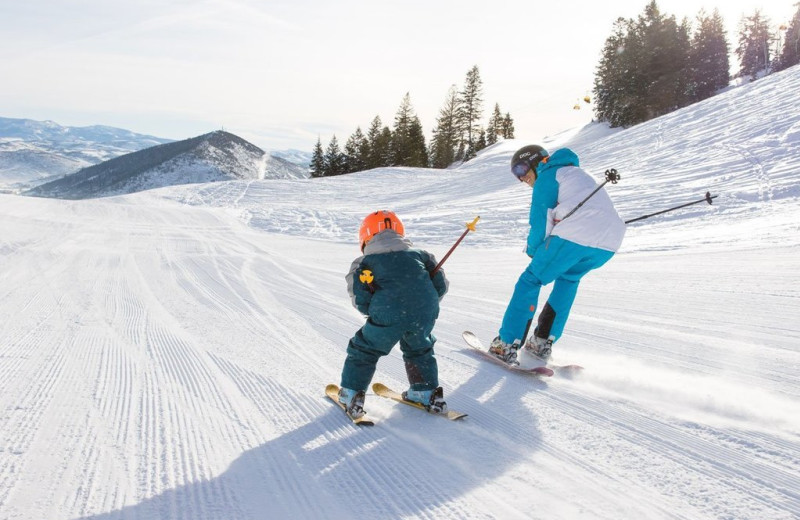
pixel 263 72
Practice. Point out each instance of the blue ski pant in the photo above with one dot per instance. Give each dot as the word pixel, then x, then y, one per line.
pixel 556 260
pixel 374 340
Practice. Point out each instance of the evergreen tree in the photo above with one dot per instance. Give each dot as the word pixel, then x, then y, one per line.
pixel 665 63
pixel 644 69
pixel 709 62
pixel 618 78
pixel 495 127
pixel 471 109
pixel 419 152
pixel 384 147
pixel 317 161
pixel 446 134
pixel 407 149
pixel 753 49
pixel 354 156
pixel 334 159
pixel 791 43
pixel 363 152
pixel 480 144
pixel 508 127
pixel 461 151
pixel 376 144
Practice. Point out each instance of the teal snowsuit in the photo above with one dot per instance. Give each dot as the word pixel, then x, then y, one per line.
pixel 401 303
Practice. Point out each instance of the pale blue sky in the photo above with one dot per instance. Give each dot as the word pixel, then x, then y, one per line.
pixel 281 73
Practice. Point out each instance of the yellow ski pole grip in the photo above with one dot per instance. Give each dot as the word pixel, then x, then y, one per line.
pixel 470 227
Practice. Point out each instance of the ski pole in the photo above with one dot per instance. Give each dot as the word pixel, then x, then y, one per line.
pixel 470 227
pixel 611 176
pixel 706 199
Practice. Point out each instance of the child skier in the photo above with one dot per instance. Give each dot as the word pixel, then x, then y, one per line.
pixel 392 285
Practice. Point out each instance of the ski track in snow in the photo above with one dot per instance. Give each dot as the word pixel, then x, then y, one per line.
pixel 164 354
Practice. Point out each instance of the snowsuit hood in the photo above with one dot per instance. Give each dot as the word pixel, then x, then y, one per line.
pixel 561 157
pixel 386 242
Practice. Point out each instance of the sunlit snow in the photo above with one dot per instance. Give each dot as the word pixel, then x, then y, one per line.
pixel 164 354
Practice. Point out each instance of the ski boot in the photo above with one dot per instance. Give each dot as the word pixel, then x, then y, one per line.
pixel 503 351
pixel 542 348
pixel 353 402
pixel 432 400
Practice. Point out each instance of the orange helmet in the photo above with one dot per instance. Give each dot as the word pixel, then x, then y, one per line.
pixel 376 222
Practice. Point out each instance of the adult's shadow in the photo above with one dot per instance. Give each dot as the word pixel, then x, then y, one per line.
pixel 498 396
pixel 407 465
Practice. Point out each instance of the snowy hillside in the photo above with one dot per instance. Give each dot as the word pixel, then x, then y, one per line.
pixel 214 157
pixel 33 151
pixel 299 157
pixel 23 164
pixel 164 354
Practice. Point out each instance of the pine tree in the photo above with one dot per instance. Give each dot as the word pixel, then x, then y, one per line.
pixel 508 127
pixel 709 62
pixel 495 126
pixel 354 157
pixel 363 152
pixel 334 159
pixel 418 152
pixel 471 109
pixel 753 49
pixel 407 149
pixel 461 152
pixel 791 43
pixel 618 75
pixel 480 144
pixel 644 69
pixel 317 168
pixel 446 134
pixel 665 63
pixel 383 147
pixel 376 156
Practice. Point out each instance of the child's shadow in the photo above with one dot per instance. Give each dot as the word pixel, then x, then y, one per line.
pixel 407 465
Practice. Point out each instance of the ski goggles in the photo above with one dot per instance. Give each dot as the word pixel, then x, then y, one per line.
pixel 521 167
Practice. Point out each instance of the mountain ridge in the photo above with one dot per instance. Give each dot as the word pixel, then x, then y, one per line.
pixel 212 157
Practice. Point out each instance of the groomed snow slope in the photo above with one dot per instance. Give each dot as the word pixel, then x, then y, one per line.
pixel 163 355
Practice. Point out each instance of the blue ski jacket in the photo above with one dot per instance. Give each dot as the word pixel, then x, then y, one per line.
pixel 560 186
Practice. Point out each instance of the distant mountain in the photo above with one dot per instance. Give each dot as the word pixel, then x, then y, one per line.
pixel 25 164
pixel 217 156
pixel 298 157
pixel 31 152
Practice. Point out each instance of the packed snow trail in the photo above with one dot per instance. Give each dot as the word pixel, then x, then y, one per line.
pixel 164 354
pixel 160 361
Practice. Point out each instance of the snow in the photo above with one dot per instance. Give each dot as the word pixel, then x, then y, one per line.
pixel 164 354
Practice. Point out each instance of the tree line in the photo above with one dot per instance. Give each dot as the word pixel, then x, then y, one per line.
pixel 457 136
pixel 653 65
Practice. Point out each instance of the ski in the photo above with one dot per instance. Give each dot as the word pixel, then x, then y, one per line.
pixel 476 344
pixel 384 391
pixel 332 391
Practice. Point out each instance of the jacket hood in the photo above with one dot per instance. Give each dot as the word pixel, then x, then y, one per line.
pixel 387 241
pixel 562 157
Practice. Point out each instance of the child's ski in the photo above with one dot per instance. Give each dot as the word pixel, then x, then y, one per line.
pixel 332 391
pixel 384 391
pixel 474 342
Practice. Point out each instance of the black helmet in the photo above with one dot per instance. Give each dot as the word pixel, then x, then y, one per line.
pixel 527 158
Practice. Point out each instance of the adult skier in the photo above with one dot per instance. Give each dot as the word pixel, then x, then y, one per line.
pixel 392 285
pixel 563 243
